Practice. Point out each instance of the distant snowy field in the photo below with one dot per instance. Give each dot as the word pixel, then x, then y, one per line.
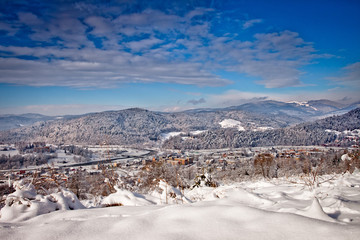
pixel 231 123
pixel 265 209
pixel 168 135
pixel 10 152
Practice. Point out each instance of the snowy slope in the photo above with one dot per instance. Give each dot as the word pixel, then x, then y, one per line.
pixel 267 209
pixel 231 123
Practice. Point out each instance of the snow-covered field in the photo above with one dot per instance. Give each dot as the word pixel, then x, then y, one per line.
pixel 264 209
pixel 355 132
pixel 10 152
pixel 168 135
pixel 61 158
pixel 231 123
pixel 263 128
pixel 102 151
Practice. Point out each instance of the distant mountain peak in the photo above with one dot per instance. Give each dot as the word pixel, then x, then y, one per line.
pixel 299 103
pixel 304 104
pixel 135 109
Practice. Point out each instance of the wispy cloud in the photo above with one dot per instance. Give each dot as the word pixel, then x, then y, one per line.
pixel 29 18
pixel 56 110
pixel 99 68
pixel 76 46
pixel 249 23
pixel 350 76
pixel 276 58
pixel 235 97
pixel 197 101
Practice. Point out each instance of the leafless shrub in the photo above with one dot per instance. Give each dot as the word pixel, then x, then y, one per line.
pixel 263 163
pixel 353 162
pixel 313 179
pixel 5 189
pixel 52 181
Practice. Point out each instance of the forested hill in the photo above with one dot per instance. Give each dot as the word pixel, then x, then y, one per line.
pixel 348 121
pixel 135 126
pixel 220 127
pixel 330 130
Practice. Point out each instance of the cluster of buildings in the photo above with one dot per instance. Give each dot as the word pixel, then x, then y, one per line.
pixel 35 147
pixel 221 159
pixel 297 153
pixel 173 159
pixel 42 174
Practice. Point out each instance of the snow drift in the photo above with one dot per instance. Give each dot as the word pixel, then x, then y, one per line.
pixel 266 209
pixel 24 203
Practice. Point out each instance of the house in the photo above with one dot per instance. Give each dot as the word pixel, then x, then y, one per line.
pixel 180 161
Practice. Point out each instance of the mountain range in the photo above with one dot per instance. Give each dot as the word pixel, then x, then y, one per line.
pixel 342 130
pixel 11 121
pixel 139 126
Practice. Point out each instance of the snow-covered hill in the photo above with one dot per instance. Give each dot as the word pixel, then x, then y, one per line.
pixel 304 134
pixel 140 126
pixel 231 123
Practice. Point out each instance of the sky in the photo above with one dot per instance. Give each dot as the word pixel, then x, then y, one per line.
pixel 74 57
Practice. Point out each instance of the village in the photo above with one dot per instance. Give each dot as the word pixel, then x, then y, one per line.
pixel 93 159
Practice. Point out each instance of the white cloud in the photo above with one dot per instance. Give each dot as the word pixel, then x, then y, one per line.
pixel 67 30
pixel 250 23
pixel 236 97
pixel 101 26
pixel 9 29
pixel 143 44
pixel 106 70
pixel 147 46
pixel 172 109
pixel 56 110
pixel 146 22
pixel 226 99
pixel 350 76
pixel 197 101
pixel 29 18
pixel 274 57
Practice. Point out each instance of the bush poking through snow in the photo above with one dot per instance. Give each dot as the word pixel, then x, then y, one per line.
pixel 351 161
pixel 24 203
pixel 168 194
pixel 124 198
pixel 312 179
pixel 5 189
pixel 50 183
pixel 204 180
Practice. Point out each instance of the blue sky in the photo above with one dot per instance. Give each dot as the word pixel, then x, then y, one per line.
pixel 73 57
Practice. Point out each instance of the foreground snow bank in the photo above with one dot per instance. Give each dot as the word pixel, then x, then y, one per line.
pixel 221 219
pixel 24 203
pixel 167 194
pixel 276 209
pixel 163 193
pixel 124 198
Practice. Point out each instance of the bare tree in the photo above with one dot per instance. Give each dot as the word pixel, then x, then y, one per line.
pixel 263 162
